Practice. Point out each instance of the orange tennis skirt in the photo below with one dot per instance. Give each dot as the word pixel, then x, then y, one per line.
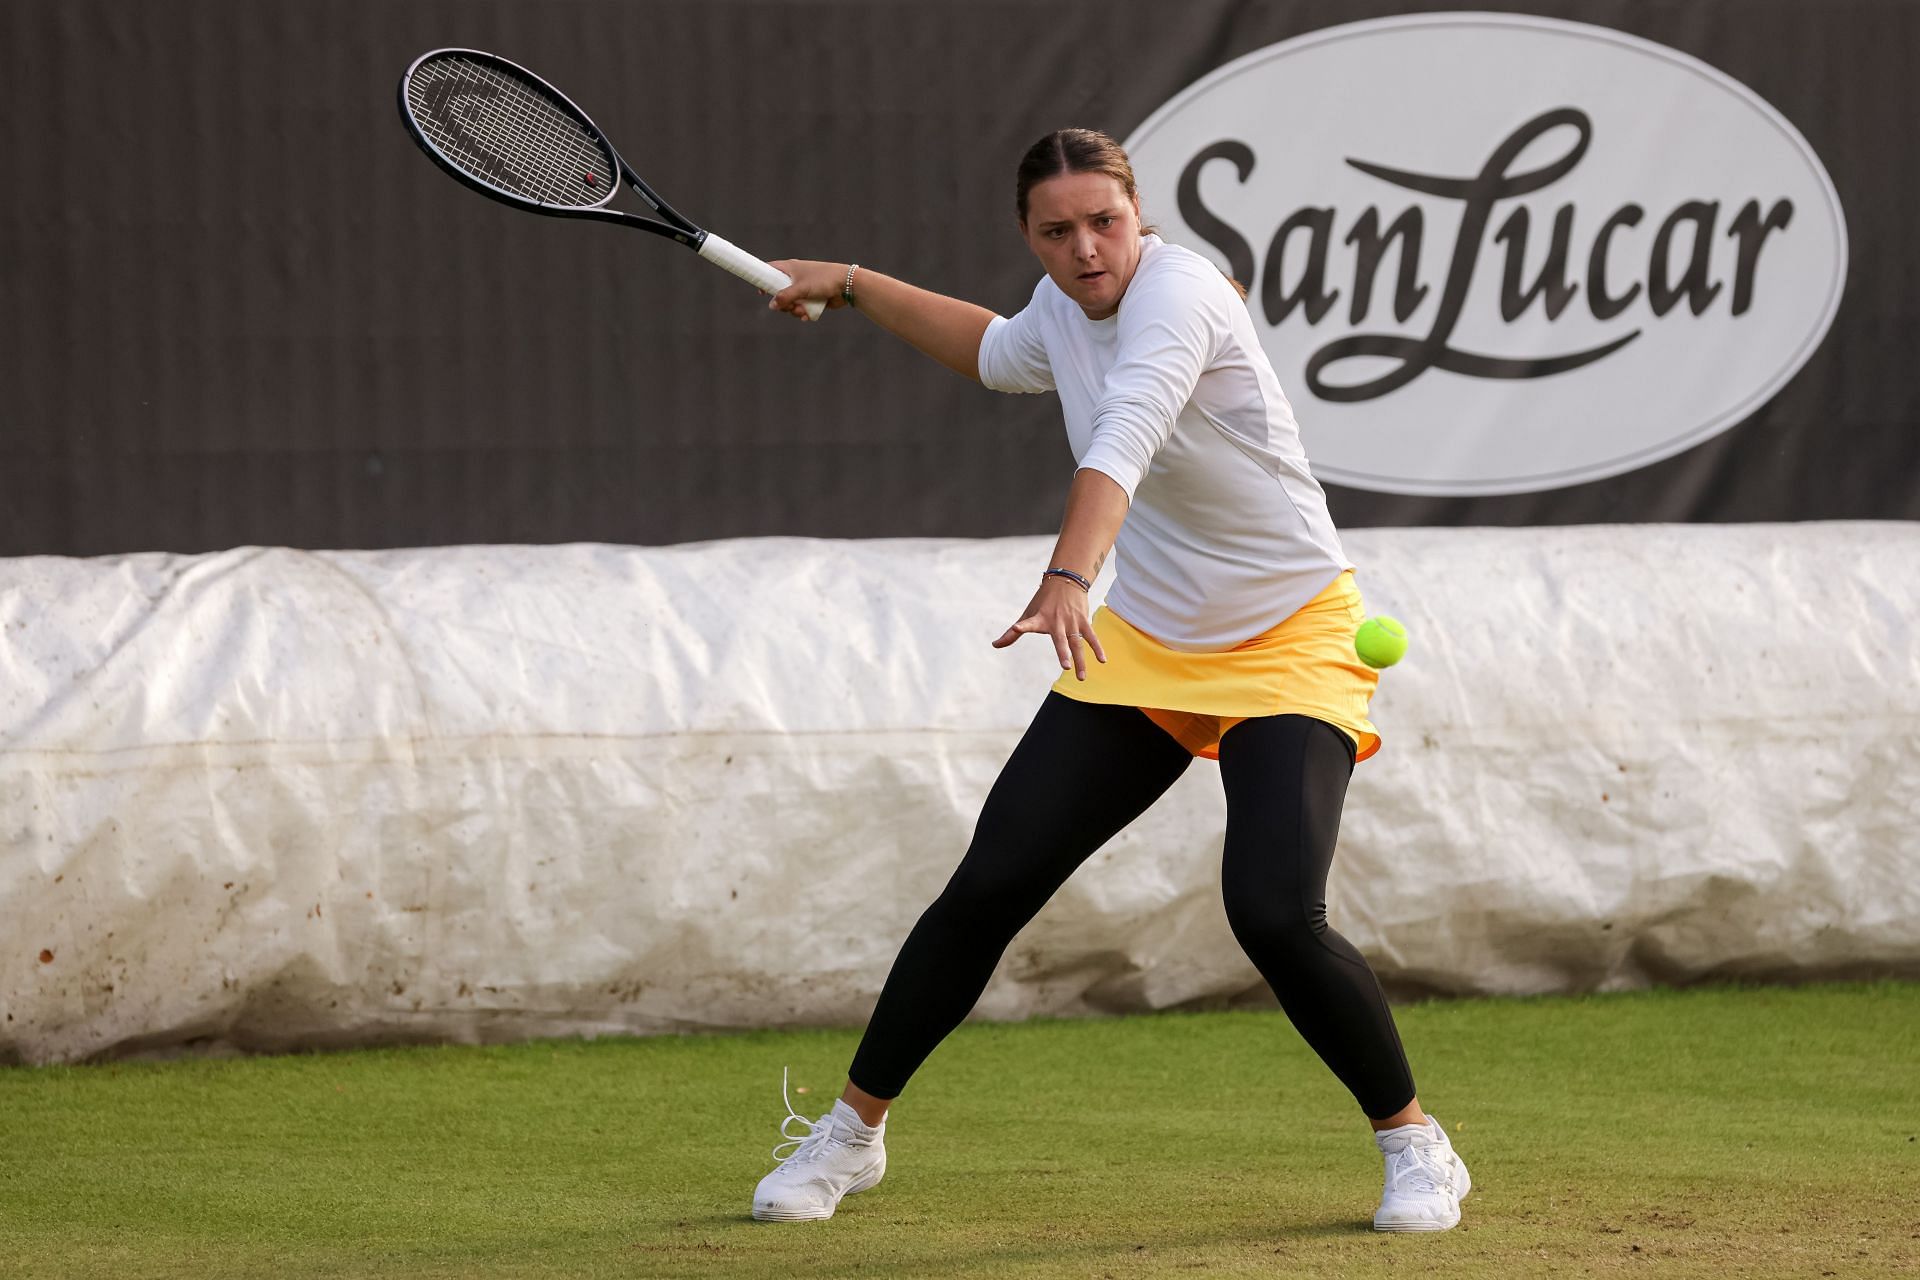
pixel 1304 666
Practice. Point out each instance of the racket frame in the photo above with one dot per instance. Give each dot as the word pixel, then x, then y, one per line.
pixel 672 223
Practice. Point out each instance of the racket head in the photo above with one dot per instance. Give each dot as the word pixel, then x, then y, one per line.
pixel 508 134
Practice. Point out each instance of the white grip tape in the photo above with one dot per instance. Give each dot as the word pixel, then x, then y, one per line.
pixel 724 253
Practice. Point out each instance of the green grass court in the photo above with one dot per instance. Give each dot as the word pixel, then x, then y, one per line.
pixel 1716 1132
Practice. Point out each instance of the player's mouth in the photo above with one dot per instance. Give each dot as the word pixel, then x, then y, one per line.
pixel 1088 277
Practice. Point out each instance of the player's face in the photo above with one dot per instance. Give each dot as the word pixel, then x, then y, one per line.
pixel 1085 230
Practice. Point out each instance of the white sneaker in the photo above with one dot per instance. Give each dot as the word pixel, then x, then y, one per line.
pixel 1426 1181
pixel 837 1155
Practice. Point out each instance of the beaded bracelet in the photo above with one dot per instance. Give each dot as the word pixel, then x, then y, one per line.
pixel 1070 575
pixel 846 290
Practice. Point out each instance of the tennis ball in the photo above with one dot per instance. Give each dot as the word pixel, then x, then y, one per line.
pixel 1380 641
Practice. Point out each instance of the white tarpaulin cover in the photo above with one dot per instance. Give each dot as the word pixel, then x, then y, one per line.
pixel 270 798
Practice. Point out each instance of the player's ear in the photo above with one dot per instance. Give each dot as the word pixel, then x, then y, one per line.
pixel 1033 246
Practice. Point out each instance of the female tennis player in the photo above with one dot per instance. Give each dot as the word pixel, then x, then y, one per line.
pixel 1228 633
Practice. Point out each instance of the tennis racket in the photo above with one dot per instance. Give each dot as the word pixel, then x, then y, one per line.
pixel 508 134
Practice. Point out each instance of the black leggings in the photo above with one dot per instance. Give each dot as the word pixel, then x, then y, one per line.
pixel 1082 772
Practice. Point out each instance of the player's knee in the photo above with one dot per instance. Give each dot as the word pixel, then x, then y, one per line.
pixel 1270 922
pixel 982 900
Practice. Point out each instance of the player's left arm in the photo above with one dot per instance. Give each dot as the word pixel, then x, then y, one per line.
pixel 1096 508
pixel 1170 329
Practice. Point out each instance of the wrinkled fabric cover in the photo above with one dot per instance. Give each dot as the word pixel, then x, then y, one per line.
pixel 270 799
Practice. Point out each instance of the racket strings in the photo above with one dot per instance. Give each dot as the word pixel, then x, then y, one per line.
pixel 508 133
pixel 548 155
pixel 517 139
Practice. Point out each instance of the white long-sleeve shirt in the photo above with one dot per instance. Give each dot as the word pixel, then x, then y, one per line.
pixel 1228 533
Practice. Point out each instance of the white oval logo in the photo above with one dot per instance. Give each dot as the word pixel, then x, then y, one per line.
pixel 1492 253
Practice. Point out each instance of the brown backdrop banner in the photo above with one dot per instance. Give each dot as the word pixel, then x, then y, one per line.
pixel 241 308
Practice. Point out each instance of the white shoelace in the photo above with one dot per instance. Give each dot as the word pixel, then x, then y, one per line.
pixel 1420 1166
pixel 803 1144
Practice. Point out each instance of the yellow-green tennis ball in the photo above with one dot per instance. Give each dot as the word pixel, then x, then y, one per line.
pixel 1380 641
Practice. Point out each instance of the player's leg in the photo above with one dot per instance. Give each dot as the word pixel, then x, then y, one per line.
pixel 1081 773
pixel 1286 780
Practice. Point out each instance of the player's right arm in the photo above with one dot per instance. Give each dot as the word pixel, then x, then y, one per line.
pixel 947 329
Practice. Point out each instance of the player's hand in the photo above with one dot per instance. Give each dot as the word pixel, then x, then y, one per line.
pixel 1059 610
pixel 816 281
